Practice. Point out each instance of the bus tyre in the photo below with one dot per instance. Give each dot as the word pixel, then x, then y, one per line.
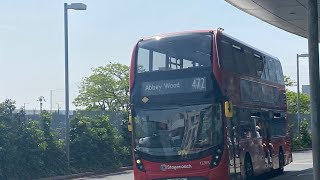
pixel 281 163
pixel 248 168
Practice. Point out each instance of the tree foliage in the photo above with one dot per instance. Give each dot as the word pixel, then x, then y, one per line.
pixel 106 89
pixel 289 82
pixel 304 140
pixel 292 103
pixel 30 149
pixel 305 135
pixel 292 99
pixel 95 144
pixel 27 149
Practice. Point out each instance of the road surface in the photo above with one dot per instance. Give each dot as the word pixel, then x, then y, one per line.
pixel 300 169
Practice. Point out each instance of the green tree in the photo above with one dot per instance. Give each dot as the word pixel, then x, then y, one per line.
pixel 289 82
pixel 305 135
pixel 292 99
pixel 54 156
pixel 292 103
pixel 95 144
pixel 106 89
pixel 304 140
pixel 28 150
pixel 21 143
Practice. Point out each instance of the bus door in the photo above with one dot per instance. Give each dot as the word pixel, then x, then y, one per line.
pixel 265 131
pixel 250 140
pixel 262 129
pixel 233 149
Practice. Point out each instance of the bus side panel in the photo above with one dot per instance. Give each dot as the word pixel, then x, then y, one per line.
pixel 231 87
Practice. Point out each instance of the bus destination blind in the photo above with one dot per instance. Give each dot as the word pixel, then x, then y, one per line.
pixel 173 86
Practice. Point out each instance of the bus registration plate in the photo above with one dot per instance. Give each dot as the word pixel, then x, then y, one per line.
pixel 178 179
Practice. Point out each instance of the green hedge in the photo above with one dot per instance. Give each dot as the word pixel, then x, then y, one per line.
pixel 95 144
pixel 31 149
pixel 304 140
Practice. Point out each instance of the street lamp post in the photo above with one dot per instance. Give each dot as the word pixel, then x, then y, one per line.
pixel 298 89
pixel 74 6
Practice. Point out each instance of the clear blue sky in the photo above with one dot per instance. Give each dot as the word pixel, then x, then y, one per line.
pixel 32 39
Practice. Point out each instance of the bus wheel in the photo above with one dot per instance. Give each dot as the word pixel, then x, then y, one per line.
pixel 281 162
pixel 248 168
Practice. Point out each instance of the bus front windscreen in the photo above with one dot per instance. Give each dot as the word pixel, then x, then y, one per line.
pixel 175 52
pixel 185 130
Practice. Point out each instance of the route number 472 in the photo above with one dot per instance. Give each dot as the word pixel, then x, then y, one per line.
pixel 199 84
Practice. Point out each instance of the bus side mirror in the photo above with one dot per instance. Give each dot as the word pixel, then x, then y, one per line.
pixel 130 123
pixel 228 109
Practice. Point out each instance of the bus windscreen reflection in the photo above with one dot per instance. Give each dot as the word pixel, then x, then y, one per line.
pixel 174 131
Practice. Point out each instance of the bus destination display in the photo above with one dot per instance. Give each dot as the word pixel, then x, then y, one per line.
pixel 174 86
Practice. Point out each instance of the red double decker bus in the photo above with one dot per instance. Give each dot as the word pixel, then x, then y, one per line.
pixel 206 106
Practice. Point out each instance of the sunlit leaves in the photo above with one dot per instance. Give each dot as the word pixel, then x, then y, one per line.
pixel 289 82
pixel 292 103
pixel 106 89
pixel 292 99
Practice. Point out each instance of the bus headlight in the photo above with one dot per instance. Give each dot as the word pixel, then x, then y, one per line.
pixel 216 156
pixel 138 162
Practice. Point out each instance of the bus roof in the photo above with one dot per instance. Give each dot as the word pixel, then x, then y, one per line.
pixel 208 31
pixel 258 50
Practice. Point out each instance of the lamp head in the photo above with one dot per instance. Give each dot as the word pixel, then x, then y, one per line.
pixel 77 6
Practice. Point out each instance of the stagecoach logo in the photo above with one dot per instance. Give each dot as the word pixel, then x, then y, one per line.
pixel 165 167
